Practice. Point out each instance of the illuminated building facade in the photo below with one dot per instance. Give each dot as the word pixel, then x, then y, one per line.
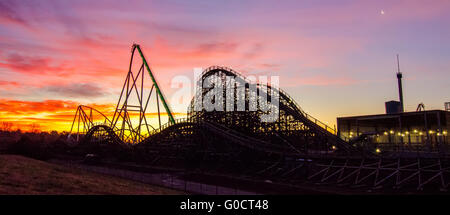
pixel 421 128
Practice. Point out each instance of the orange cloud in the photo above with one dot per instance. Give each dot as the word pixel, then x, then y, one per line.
pixel 7 85
pixel 48 115
pixel 51 114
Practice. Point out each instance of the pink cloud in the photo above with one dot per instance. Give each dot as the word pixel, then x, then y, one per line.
pixel 317 80
pixel 34 65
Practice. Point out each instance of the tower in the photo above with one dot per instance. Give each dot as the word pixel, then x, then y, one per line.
pixel 400 89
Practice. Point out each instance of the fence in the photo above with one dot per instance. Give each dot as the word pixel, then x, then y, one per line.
pixel 168 180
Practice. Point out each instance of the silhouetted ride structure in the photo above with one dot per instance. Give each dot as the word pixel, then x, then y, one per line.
pixel 296 148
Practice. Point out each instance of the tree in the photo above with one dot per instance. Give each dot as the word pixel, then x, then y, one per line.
pixel 6 126
pixel 35 128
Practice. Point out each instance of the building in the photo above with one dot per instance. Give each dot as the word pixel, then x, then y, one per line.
pixel 393 107
pixel 413 128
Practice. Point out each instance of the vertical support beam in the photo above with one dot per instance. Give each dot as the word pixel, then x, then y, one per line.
pixel 348 129
pixel 428 142
pixel 78 128
pixel 401 130
pixel 357 128
pixel 439 134
pixel 159 113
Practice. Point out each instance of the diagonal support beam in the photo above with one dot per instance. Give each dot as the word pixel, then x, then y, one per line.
pixel 158 91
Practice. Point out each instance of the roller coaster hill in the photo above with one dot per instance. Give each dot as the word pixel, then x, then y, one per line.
pixel 296 148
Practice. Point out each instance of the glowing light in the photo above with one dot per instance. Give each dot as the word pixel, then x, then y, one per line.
pixel 407 132
pixel 391 131
pixel 377 150
pixel 385 133
pixel 444 132
pixel 382 12
pixel 333 147
pixel 415 131
pixel 420 133
pixel 399 134
pixel 430 132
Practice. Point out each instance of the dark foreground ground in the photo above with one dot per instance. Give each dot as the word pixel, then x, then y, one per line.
pixel 21 175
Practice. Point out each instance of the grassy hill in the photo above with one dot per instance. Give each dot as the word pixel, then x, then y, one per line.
pixel 21 175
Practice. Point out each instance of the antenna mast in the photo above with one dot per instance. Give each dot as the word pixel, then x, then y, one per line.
pixel 400 89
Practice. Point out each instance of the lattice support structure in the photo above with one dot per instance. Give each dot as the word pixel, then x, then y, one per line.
pixel 85 119
pixel 415 173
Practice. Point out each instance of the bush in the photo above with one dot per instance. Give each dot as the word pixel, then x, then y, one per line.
pixel 30 147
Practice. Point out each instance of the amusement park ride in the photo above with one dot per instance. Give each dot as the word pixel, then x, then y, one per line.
pixel 296 147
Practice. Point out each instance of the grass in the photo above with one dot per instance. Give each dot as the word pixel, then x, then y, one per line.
pixel 21 175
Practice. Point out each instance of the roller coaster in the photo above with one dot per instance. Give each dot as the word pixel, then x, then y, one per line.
pixel 293 149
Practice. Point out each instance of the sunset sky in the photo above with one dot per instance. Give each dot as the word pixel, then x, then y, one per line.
pixel 335 58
